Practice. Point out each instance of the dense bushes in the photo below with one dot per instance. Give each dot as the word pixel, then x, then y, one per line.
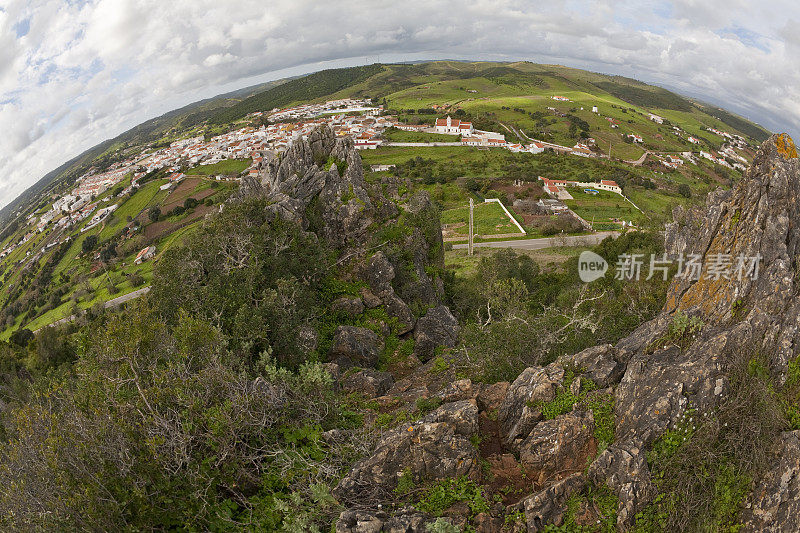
pixel 163 427
pixel 255 279
pixel 516 316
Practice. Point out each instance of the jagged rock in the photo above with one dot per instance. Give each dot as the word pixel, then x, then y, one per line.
pixel 461 389
pixel 548 506
pixel 624 469
pixel 757 218
pixel 518 413
pixel 462 415
pixel 490 398
pixel 774 505
pixel 427 450
pixel 300 189
pixel 380 274
pixel 349 306
pixel 560 446
pixel 354 346
pixel 369 382
pixel 404 521
pixel 599 364
pixel 437 328
pixel 486 523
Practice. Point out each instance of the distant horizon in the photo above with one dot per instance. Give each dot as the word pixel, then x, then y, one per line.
pixel 421 61
pixel 72 76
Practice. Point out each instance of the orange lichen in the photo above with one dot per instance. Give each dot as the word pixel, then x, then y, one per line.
pixel 785 146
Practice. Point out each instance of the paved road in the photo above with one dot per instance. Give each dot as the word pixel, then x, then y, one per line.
pixel 638 161
pixel 546 242
pixel 119 300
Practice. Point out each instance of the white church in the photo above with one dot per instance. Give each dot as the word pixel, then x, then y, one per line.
pixel 453 127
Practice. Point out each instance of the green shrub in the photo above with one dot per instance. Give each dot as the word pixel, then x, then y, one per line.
pixel 446 492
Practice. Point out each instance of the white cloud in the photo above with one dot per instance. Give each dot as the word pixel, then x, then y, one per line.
pixel 86 71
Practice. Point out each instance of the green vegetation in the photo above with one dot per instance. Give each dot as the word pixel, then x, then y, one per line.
pixel 489 219
pixel 703 467
pixel 604 207
pixel 307 88
pixel 601 500
pixel 401 136
pixel 446 492
pixel 227 167
pixel 601 405
pixel 517 315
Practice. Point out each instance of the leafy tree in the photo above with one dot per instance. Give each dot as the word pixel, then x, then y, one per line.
pixel 684 190
pixel 22 337
pixel 89 243
pixel 154 214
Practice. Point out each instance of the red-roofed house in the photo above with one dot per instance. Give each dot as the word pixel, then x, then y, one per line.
pixel 610 185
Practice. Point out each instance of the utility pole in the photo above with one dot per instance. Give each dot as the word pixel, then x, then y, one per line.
pixel 471 207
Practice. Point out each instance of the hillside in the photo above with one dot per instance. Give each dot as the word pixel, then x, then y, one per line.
pixel 314 357
pixel 52 271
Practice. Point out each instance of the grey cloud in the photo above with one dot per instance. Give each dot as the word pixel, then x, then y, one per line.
pixel 167 54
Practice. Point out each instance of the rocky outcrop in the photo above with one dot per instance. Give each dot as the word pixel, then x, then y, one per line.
pixel 774 505
pixel 754 306
pixel 354 346
pixel 305 185
pixel 437 328
pixel 319 183
pixel 436 447
pixel 519 413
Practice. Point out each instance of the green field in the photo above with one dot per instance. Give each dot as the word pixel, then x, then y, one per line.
pixel 401 136
pixel 488 219
pixel 226 168
pixel 601 208
pixel 131 207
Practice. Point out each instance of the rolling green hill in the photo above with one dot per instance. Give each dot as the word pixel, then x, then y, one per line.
pixel 511 98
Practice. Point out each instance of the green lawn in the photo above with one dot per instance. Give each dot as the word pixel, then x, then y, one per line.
pixel 226 167
pixel 601 208
pixel 489 219
pixel 395 135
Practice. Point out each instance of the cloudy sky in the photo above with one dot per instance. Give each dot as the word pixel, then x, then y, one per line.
pixel 75 72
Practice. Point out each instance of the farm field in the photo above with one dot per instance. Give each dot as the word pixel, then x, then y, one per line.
pixel 489 219
pixel 401 136
pixel 602 208
pixel 227 167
